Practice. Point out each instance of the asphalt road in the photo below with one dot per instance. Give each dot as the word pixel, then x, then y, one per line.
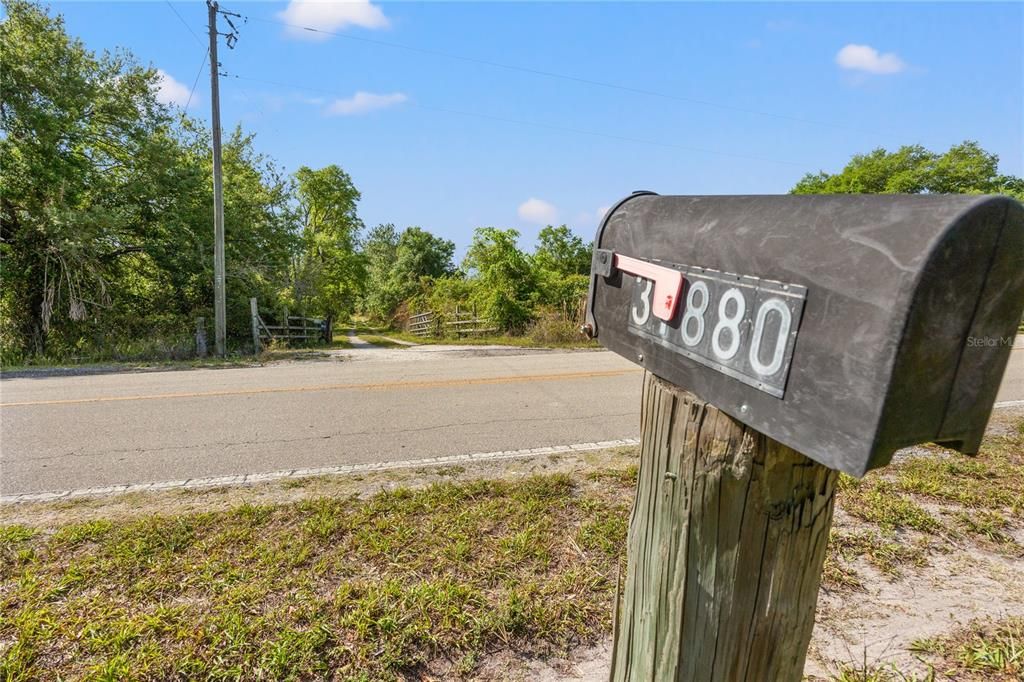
pixel 1012 388
pixel 74 432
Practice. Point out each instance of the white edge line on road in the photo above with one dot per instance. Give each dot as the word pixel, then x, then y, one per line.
pixel 244 479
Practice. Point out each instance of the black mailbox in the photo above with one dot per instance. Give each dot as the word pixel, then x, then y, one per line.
pixel 845 327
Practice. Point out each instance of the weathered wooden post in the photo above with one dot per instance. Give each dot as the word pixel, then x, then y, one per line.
pixel 785 339
pixel 726 546
pixel 201 337
pixel 254 312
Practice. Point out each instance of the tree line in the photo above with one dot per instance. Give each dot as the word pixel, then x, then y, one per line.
pixel 106 229
pixel 106 240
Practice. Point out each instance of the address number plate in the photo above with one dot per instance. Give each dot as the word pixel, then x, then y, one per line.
pixel 744 327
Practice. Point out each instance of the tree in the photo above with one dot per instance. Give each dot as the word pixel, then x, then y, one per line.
pixel 421 254
pixel 965 168
pixel 562 252
pixel 106 211
pixel 80 134
pixel 397 266
pixel 259 229
pixel 562 268
pixel 505 277
pixel 379 253
pixel 259 226
pixel 330 272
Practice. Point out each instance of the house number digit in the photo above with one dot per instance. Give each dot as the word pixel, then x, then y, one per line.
pixel 645 298
pixel 785 322
pixel 694 312
pixel 730 323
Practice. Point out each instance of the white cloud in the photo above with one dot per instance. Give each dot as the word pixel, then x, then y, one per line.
pixel 537 211
pixel 170 91
pixel 601 211
pixel 326 15
pixel 867 58
pixel 363 103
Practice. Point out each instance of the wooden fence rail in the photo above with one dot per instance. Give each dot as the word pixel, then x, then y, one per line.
pixel 295 328
pixel 462 323
pixel 421 324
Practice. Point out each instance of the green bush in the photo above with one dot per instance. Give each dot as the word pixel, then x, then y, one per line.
pixel 551 327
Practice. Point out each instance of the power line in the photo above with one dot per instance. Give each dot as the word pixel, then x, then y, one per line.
pixel 196 81
pixel 566 77
pixel 537 124
pixel 184 23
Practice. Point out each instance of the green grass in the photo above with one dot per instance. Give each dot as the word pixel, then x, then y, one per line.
pixel 989 526
pixel 501 340
pixel 980 651
pixel 881 550
pixel 361 327
pixel 354 589
pixel 877 500
pixel 43 365
pixel 990 651
pixel 991 481
pixel 382 341
pixel 233 359
pixel 877 673
pixel 913 508
pixel 378 588
pixel 280 351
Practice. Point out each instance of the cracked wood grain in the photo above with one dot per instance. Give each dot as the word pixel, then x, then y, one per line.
pixel 726 545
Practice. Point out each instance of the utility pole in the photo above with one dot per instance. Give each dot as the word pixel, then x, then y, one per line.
pixel 219 314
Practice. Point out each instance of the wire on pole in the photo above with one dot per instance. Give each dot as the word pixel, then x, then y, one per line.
pixel 547 126
pixel 196 81
pixel 566 77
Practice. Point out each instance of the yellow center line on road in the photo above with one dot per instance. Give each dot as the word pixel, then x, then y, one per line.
pixel 383 386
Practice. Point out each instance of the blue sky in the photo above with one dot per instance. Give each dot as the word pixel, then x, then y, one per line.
pixel 752 96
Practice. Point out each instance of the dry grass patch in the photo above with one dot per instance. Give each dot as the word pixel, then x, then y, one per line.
pixel 991 651
pixel 363 589
pixel 881 551
pixel 319 578
pixel 899 516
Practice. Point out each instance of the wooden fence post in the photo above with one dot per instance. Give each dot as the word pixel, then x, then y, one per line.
pixel 201 337
pixel 255 314
pixel 726 545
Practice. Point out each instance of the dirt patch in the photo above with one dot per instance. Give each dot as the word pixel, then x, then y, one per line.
pixel 880 623
pixel 586 664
